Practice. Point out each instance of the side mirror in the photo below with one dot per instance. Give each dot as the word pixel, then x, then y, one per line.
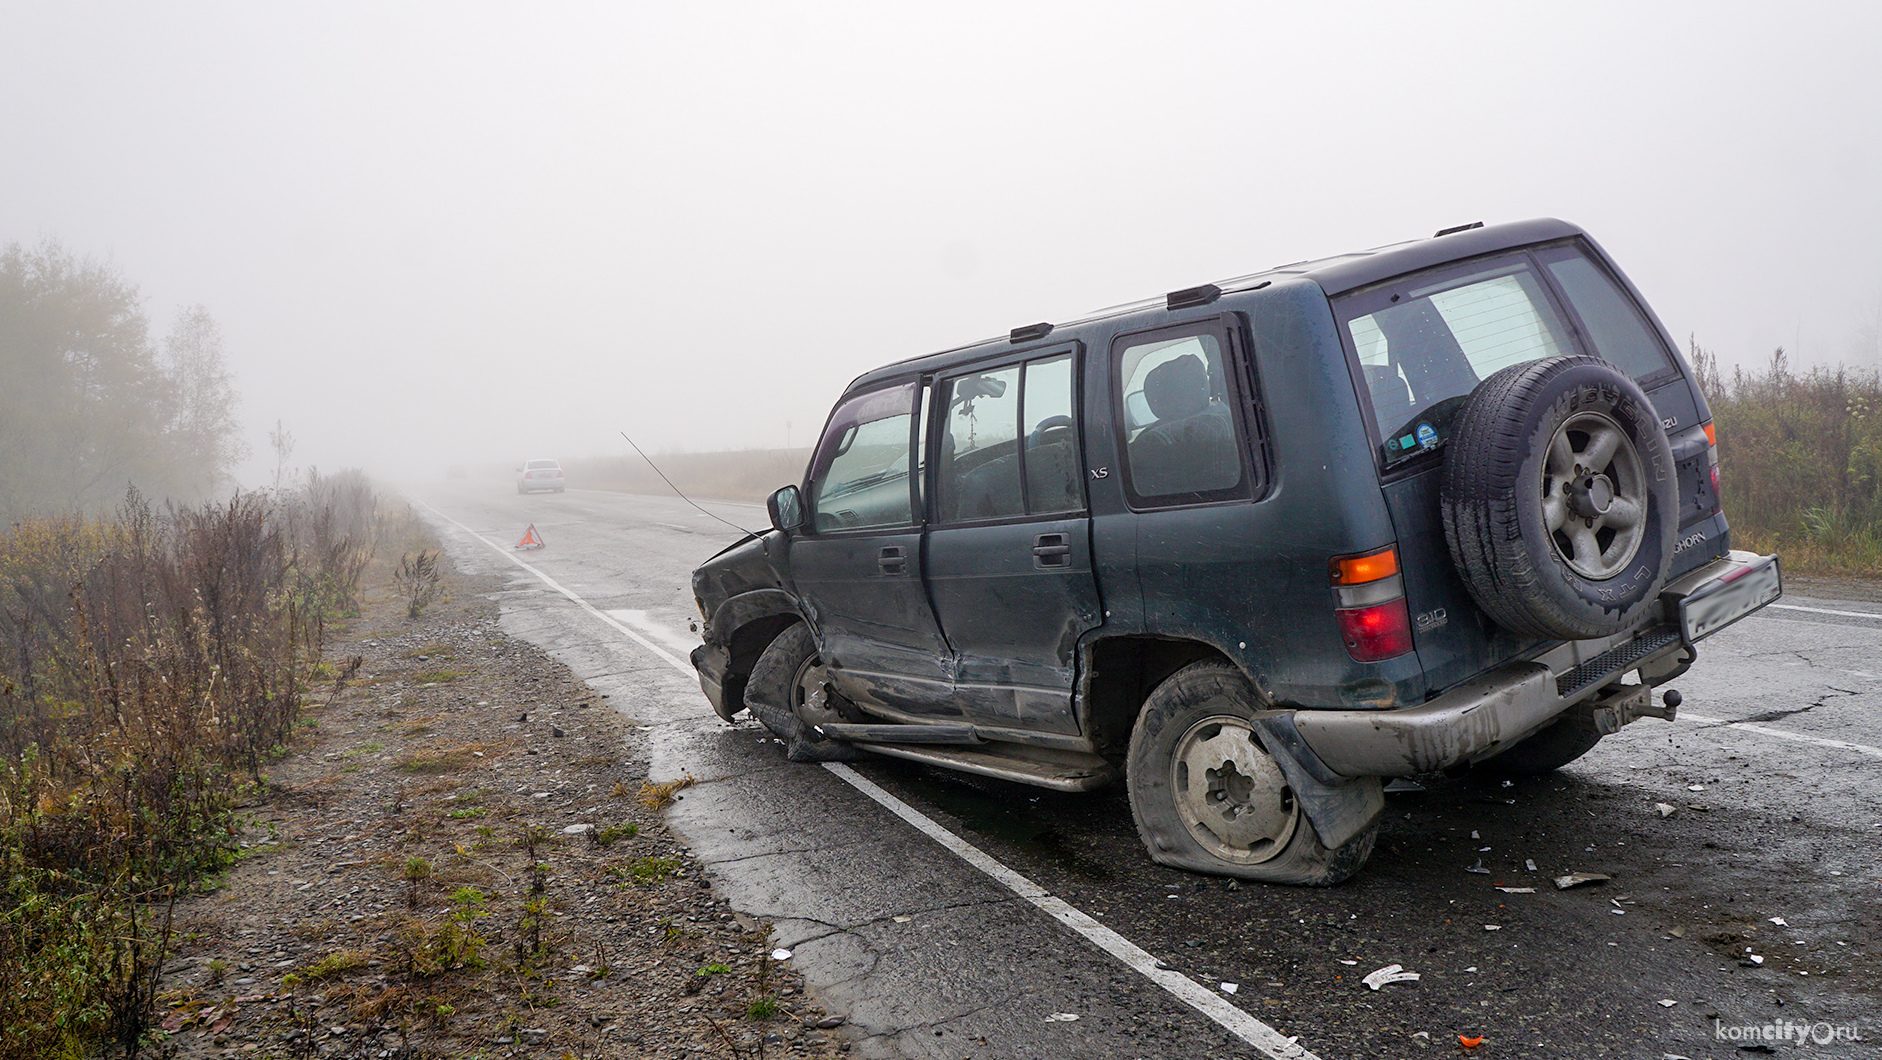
pixel 786 507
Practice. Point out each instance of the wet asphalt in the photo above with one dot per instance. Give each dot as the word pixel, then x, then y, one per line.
pixel 1773 776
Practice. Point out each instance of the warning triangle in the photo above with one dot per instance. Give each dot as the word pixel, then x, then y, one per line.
pixel 531 539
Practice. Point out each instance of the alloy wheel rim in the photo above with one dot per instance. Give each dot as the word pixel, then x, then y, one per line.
pixel 1594 496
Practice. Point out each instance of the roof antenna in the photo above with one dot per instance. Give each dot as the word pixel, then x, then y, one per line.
pixel 676 489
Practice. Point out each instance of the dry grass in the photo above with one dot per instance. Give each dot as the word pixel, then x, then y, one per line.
pixel 656 796
pixel 441 760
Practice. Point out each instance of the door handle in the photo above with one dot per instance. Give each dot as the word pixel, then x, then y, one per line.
pixel 1052 550
pixel 892 560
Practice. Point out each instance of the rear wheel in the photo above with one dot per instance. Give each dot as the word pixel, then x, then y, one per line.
pixel 1208 797
pixel 789 692
pixel 1552 748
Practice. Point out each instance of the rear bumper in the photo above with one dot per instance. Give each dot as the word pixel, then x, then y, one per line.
pixel 1493 711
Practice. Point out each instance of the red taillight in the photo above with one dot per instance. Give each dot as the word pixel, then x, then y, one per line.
pixel 1369 600
pixel 1381 631
pixel 1712 458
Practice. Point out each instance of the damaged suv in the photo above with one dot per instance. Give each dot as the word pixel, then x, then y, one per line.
pixel 1252 547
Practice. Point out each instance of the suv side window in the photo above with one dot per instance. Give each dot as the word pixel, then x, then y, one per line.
pixel 1008 445
pixel 1178 419
pixel 859 478
pixel 1609 317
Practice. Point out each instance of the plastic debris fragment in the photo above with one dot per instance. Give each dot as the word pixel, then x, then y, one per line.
pixel 1470 1042
pixel 1667 1002
pixel 1666 809
pixel 1576 879
pixel 1229 988
pixel 1478 868
pixel 1062 1017
pixel 1517 890
pixel 780 955
pixel 1779 921
pixel 1391 973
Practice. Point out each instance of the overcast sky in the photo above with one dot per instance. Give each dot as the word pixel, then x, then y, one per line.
pixel 483 232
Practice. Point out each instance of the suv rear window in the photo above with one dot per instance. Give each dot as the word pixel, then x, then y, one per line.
pixel 1425 341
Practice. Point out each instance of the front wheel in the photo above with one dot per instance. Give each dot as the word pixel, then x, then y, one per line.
pixel 789 692
pixel 1208 797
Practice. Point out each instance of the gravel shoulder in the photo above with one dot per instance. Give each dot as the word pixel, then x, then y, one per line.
pixel 460 856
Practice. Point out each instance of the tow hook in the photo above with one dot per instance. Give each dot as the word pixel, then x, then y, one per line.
pixel 1630 703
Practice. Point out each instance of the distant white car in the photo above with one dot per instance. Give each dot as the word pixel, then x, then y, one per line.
pixel 539 475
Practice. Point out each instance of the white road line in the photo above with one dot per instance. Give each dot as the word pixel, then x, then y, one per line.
pixel 1826 611
pixel 678 664
pixel 1764 730
pixel 1187 990
pixel 1249 1029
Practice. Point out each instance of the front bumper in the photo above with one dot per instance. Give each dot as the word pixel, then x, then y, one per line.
pixel 712 661
pixel 1492 712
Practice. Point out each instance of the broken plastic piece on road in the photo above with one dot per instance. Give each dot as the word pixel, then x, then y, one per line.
pixel 1493 927
pixel 902 919
pixel 1345 961
pixel 1667 1002
pixel 1474 835
pixel 1779 921
pixel 1517 890
pixel 780 955
pixel 1062 1017
pixel 1229 988
pixel 1576 879
pixel 1666 809
pixel 1695 787
pixel 1529 864
pixel 1478 868
pixel 1391 973
pixel 1752 960
pixel 1470 1042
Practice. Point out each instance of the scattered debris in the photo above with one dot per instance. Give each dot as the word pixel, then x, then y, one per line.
pixel 1229 988
pixel 1751 960
pixel 780 955
pixel 1577 879
pixel 902 919
pixel 1391 973
pixel 1667 1002
pixel 1517 890
pixel 1493 927
pixel 1062 1017
pixel 1779 921
pixel 1677 932
pixel 578 829
pixel 1695 787
pixel 1529 864
pixel 1347 962
pixel 1478 868
pixel 1474 835
pixel 1666 809
pixel 1470 1042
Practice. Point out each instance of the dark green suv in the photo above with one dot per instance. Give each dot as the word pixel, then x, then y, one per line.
pixel 1252 546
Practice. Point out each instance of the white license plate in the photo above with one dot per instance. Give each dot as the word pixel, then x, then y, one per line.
pixel 1720 603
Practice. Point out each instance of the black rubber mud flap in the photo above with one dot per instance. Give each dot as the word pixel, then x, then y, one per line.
pixel 1339 808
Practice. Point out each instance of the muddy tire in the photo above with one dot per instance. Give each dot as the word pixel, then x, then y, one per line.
pixel 788 692
pixel 1550 749
pixel 1208 797
pixel 1559 499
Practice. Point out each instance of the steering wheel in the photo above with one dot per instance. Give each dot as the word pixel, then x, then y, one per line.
pixel 1050 423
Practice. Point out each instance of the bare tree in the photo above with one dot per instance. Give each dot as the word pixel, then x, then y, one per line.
pixel 202 423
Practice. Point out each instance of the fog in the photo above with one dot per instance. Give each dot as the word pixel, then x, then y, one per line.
pixel 477 233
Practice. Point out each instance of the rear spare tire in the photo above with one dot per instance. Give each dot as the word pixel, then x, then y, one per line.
pixel 1559 499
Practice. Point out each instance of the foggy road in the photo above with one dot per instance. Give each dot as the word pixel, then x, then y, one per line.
pixel 1773 776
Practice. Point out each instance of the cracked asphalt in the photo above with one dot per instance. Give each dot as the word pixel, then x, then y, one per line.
pixel 1750 828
